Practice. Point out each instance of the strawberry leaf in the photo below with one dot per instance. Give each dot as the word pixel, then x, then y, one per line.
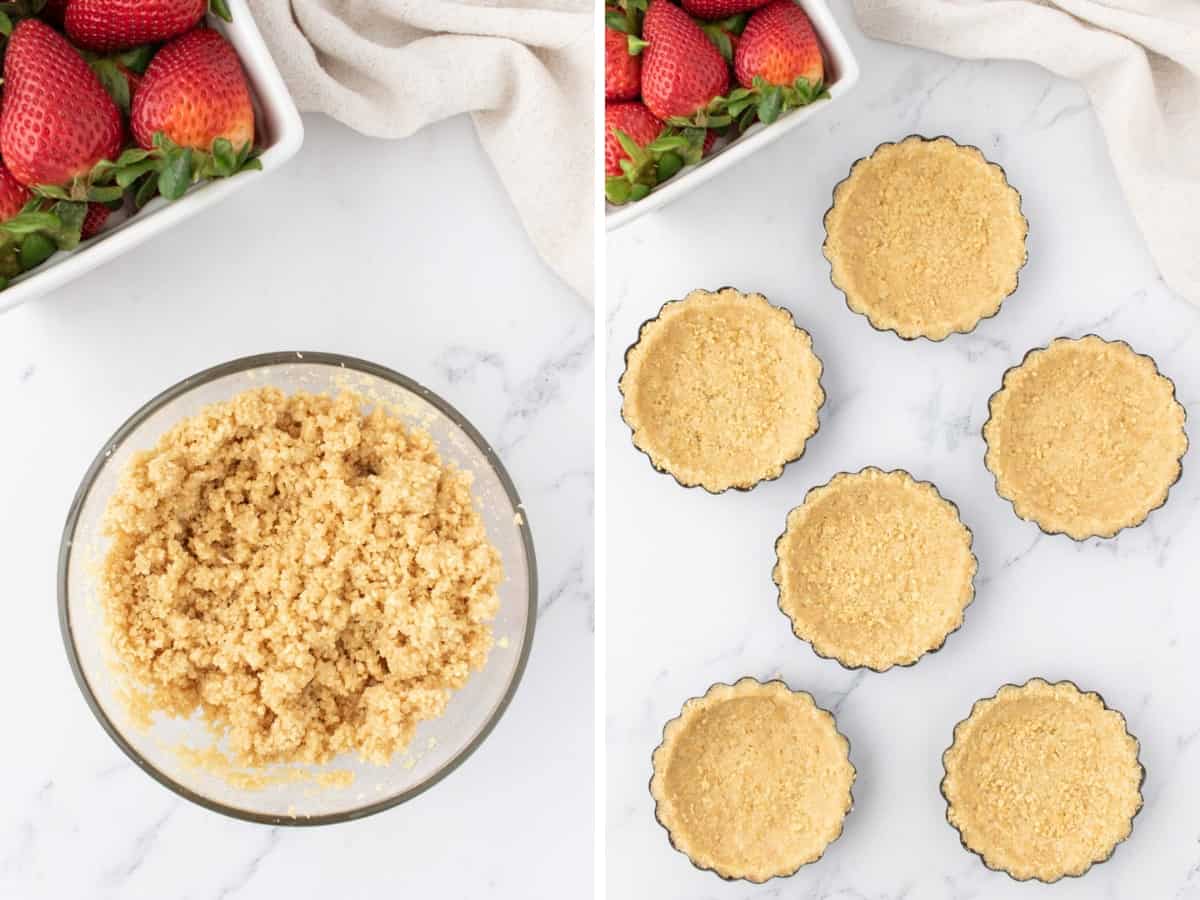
pixel 29 222
pixel 617 190
pixel 6 24
pixel 35 250
pixel 176 175
pixel 147 190
pixel 70 215
pixel 131 173
pixel 669 165
pixel 220 9
pixel 138 59
pixel 114 82
pixel 618 22
pixel 224 158
pixel 639 192
pixel 720 39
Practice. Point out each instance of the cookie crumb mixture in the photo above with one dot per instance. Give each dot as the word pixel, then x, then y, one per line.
pixel 752 780
pixel 722 389
pixel 313 579
pixel 925 237
pixel 1085 437
pixel 875 569
pixel 1042 780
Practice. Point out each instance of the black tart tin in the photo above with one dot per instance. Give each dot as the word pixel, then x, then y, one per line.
pixel 746 489
pixel 850 174
pixel 970 546
pixel 999 390
pixel 1138 757
pixel 849 759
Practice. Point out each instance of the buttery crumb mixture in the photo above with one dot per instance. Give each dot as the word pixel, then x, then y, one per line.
pixel 722 389
pixel 925 237
pixel 752 780
pixel 1085 437
pixel 1042 780
pixel 875 569
pixel 313 579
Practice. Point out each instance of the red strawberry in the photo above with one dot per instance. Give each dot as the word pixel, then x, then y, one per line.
pixel 97 215
pixel 622 70
pixel 194 92
pixel 109 25
pixel 634 120
pixel 13 194
pixel 720 9
pixel 779 46
pixel 709 139
pixel 56 121
pixel 682 71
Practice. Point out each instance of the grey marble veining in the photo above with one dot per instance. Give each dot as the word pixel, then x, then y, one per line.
pixel 691 599
pixel 352 248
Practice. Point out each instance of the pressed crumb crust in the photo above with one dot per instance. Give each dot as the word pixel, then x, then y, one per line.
pixel 314 580
pixel 752 780
pixel 1085 437
pixel 722 389
pixel 925 238
pixel 875 569
pixel 1042 780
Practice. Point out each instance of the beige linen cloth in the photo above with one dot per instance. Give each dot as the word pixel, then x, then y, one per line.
pixel 1138 60
pixel 521 68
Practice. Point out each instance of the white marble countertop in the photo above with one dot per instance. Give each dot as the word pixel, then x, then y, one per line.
pixel 405 253
pixel 690 597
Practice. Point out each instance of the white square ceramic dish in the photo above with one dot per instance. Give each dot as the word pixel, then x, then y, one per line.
pixel 280 132
pixel 839 61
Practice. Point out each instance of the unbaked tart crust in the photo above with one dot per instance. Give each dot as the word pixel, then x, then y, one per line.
pixel 752 780
pixel 1042 780
pixel 722 390
pixel 875 569
pixel 1085 437
pixel 925 237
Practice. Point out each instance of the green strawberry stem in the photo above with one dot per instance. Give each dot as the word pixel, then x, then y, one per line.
pixel 763 102
pixel 653 164
pixel 220 9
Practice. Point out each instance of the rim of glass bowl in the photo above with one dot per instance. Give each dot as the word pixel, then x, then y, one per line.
pixel 241 365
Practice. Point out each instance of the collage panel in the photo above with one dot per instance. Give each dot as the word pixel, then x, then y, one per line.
pixel 298 471
pixel 900 527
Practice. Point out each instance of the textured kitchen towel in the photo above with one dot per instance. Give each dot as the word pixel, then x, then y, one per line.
pixel 521 68
pixel 1138 60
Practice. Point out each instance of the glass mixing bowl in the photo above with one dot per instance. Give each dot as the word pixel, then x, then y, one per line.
pixel 299 795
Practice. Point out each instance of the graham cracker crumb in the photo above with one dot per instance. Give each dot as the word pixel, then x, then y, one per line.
pixel 311 578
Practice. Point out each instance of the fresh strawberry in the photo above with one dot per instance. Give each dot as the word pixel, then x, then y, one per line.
pixel 194 92
pixel 56 121
pixel 13 194
pixel 779 45
pixel 710 138
pixel 97 215
pixel 634 120
pixel 109 25
pixel 721 9
pixel 622 67
pixel 682 72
